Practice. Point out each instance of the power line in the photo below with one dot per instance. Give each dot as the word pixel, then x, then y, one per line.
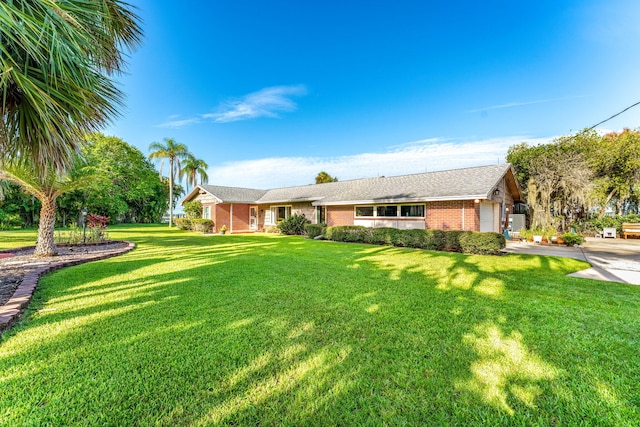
pixel 615 115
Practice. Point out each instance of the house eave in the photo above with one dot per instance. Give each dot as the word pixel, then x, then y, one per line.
pixel 401 200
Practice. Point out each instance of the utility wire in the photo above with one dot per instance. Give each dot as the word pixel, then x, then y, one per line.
pixel 615 115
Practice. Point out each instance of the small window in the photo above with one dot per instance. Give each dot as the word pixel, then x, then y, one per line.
pixel 412 211
pixel 391 210
pixel 206 212
pixel 364 210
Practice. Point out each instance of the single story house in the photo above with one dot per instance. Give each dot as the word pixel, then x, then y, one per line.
pixel 475 199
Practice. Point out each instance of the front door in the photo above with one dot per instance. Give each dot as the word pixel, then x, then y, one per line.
pixel 253 218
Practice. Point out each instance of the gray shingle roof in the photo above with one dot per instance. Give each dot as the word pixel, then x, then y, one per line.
pixel 234 194
pixel 455 184
pixel 468 183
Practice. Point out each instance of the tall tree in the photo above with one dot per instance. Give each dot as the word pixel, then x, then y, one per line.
pixel 192 168
pixel 46 187
pixel 174 151
pixel 57 59
pixel 324 177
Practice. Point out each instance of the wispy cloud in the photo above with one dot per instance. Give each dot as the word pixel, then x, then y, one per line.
pixel 520 104
pixel 267 102
pixel 412 157
pixel 179 123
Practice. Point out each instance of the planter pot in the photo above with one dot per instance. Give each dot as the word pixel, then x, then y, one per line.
pixel 537 239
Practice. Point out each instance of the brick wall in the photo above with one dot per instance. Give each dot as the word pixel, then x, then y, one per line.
pixel 222 215
pixel 447 215
pixel 240 217
pixel 340 215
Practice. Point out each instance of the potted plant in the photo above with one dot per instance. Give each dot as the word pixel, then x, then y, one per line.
pixel 223 229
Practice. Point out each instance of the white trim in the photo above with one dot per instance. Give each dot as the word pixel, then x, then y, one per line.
pixel 401 201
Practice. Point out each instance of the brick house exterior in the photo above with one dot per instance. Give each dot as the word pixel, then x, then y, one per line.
pixel 475 199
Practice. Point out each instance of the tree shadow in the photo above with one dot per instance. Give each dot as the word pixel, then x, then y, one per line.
pixel 255 331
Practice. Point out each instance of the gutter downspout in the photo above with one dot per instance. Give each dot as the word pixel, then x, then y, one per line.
pixel 231 218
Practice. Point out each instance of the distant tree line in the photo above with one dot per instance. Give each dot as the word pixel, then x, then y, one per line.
pixel 587 174
pixel 113 179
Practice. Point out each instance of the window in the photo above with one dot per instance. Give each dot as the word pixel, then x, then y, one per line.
pixel 412 210
pixel 364 210
pixel 206 212
pixel 277 213
pixel 390 210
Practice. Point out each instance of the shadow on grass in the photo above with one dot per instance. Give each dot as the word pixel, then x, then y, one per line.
pixel 244 330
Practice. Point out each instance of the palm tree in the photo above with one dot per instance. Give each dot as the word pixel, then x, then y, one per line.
pixel 191 168
pixel 57 59
pixel 174 151
pixel 46 186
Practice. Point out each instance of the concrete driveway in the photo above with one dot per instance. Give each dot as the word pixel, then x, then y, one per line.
pixel 613 260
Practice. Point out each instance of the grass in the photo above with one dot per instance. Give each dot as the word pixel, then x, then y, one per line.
pixel 273 330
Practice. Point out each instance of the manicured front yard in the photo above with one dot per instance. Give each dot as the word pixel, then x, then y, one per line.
pixel 270 330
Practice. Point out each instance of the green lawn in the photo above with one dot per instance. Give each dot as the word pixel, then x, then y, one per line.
pixel 271 330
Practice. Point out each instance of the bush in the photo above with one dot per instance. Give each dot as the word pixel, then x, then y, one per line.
pixel 193 210
pixel 381 236
pixel 294 225
pixel 183 223
pixel 346 233
pixel 436 240
pixel 424 239
pixel 452 240
pixel 571 239
pixel 202 225
pixel 315 230
pixel 595 225
pixel 482 243
pixel 9 220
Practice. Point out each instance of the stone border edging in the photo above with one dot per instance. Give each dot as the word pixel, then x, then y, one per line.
pixel 13 308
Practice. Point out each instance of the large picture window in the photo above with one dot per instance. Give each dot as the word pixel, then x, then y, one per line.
pixel 364 210
pixel 412 211
pixel 390 211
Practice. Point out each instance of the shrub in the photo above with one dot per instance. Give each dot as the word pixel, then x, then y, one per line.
pixel 595 225
pixel 315 230
pixel 571 239
pixel 423 239
pixel 381 236
pixel 482 243
pixel 294 225
pixel 202 225
pixel 9 220
pixel 183 223
pixel 452 240
pixel 193 210
pixel 271 229
pixel 346 233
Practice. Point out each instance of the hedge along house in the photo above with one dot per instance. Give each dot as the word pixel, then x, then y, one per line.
pixel 475 199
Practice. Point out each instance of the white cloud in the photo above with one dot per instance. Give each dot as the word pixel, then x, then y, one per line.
pixel 179 123
pixel 267 102
pixel 520 104
pixel 413 157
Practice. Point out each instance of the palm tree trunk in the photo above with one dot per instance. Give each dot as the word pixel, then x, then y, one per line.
pixel 171 193
pixel 46 245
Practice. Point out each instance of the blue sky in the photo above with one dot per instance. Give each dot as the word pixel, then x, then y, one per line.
pixel 271 93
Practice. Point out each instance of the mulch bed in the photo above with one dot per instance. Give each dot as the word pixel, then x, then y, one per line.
pixel 20 271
